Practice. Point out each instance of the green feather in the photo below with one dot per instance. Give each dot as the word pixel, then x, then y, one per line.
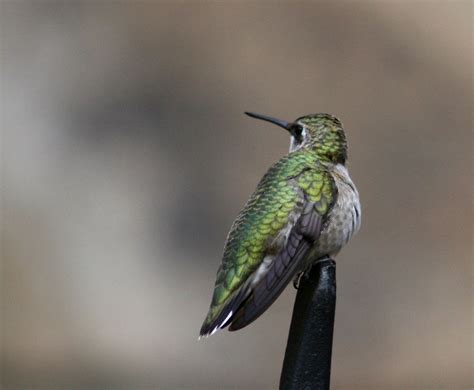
pixel 265 215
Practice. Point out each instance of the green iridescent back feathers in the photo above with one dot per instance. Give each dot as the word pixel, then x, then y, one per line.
pixel 265 214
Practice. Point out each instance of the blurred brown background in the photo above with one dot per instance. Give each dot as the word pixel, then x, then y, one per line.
pixel 126 157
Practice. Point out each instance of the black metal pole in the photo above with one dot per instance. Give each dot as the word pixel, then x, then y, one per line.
pixel 307 362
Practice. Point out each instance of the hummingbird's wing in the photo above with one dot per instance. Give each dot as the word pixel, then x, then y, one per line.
pixel 281 270
pixel 269 240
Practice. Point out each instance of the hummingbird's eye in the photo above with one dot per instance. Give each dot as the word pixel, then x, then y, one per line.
pixel 298 129
pixel 297 132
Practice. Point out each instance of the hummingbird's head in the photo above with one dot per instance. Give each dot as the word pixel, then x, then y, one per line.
pixel 320 133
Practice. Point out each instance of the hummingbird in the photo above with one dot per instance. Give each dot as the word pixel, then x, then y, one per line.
pixel 305 208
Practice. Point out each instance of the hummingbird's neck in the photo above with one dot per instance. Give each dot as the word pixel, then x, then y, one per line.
pixel 334 152
pixel 326 157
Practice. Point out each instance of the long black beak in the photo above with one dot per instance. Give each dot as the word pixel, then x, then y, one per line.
pixel 278 122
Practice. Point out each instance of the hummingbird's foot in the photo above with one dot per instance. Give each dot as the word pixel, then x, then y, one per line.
pixel 305 272
pixel 297 279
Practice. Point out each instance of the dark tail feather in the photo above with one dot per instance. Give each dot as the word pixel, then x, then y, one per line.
pixel 227 313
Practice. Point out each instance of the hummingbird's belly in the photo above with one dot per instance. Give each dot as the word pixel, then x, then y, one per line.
pixel 344 219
